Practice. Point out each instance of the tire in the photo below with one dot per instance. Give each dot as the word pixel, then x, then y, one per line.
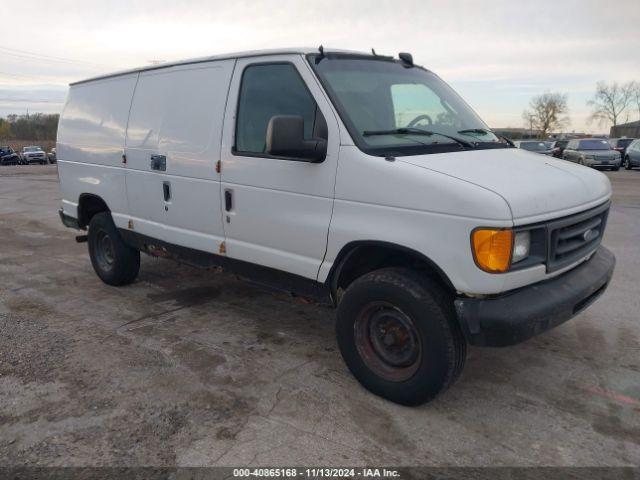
pixel 115 262
pixel 627 163
pixel 615 169
pixel 395 302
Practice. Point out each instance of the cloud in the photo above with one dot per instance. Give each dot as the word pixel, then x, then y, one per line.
pixel 502 50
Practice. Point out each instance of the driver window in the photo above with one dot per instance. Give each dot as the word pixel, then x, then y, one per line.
pixel 416 105
pixel 268 90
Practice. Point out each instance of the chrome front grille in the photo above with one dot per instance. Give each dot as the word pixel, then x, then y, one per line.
pixel 575 237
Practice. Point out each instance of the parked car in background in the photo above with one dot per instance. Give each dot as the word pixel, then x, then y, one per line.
pixel 557 148
pixel 536 146
pixel 34 154
pixel 52 156
pixel 8 156
pixel 632 155
pixel 621 144
pixel 592 152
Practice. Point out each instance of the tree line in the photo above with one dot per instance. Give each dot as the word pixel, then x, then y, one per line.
pixel 38 126
pixel 612 103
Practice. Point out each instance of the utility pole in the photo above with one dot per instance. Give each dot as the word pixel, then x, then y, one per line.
pixel 531 117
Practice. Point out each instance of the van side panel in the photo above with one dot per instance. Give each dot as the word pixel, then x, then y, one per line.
pixel 178 113
pixel 90 142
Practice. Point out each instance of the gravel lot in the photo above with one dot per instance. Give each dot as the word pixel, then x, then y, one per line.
pixel 189 367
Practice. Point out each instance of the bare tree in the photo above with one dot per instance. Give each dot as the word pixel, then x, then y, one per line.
pixel 635 95
pixel 609 101
pixel 546 113
pixel 5 130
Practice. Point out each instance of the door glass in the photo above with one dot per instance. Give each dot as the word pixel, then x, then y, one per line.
pixel 266 91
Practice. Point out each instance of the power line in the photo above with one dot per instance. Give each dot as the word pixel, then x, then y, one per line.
pixel 31 100
pixel 10 57
pixel 50 58
pixel 19 76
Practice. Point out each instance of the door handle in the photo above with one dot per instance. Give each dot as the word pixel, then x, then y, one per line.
pixel 228 200
pixel 166 190
pixel 159 162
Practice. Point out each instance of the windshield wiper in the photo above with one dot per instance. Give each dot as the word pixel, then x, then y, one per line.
pixel 484 131
pixel 416 131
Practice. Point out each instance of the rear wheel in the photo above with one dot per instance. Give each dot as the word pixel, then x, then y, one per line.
pixel 115 262
pixel 399 336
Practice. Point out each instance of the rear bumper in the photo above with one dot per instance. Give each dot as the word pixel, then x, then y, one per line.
pixel 68 221
pixel 516 316
pixel 616 162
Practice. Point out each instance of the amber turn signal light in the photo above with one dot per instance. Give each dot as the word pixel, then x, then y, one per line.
pixel 492 249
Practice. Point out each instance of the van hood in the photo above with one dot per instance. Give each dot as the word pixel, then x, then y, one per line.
pixel 536 187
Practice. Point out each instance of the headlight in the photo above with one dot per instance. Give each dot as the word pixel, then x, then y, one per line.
pixel 492 249
pixel 521 246
pixel 495 250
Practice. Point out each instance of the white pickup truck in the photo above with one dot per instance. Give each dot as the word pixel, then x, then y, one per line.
pixel 34 155
pixel 360 180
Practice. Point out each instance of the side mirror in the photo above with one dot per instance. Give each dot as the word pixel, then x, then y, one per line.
pixel 285 138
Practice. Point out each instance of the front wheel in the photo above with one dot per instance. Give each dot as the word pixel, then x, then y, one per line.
pixel 115 262
pixel 398 334
pixel 627 163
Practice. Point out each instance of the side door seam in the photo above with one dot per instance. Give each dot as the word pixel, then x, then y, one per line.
pixel 124 147
pixel 335 176
pixel 222 131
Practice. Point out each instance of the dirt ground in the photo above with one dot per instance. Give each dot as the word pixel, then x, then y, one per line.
pixel 189 367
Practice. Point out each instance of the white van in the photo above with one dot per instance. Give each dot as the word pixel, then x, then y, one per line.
pixel 360 180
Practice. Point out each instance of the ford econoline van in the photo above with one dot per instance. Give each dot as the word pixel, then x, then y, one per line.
pixel 359 180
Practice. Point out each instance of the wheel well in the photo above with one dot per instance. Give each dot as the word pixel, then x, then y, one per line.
pixel 360 258
pixel 88 206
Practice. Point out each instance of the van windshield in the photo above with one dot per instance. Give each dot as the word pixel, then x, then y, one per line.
pixel 386 104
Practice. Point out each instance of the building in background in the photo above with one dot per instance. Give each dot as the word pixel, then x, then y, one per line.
pixel 517 133
pixel 629 130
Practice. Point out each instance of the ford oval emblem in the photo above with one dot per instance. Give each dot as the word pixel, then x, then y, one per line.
pixel 589 235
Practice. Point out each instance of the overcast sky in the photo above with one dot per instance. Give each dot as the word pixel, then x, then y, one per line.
pixel 497 54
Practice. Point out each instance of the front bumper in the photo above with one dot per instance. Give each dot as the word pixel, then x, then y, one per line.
pixel 521 314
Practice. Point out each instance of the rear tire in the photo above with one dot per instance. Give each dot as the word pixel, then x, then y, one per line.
pixel 115 262
pixel 398 334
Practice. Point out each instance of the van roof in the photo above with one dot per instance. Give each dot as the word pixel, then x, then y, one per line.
pixel 250 53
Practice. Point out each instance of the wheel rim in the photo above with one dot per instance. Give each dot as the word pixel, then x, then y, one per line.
pixel 104 251
pixel 388 341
